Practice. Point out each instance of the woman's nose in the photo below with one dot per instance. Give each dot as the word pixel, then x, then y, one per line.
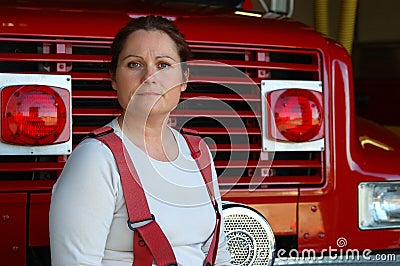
pixel 148 75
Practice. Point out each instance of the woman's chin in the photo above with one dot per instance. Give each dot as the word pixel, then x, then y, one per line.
pixel 145 110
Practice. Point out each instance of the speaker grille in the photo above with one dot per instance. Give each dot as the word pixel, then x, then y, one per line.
pixel 249 236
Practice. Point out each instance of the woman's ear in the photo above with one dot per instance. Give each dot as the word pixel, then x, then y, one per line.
pixel 113 82
pixel 185 79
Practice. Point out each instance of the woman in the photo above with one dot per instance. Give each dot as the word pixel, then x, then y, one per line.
pixel 88 213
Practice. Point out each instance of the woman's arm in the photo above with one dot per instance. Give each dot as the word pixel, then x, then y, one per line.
pixel 82 206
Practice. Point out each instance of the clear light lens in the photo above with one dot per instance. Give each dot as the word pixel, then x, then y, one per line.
pixel 379 205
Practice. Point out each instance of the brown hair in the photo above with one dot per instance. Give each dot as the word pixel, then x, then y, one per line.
pixel 147 23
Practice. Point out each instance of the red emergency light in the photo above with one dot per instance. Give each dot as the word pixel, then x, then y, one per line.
pixel 296 115
pixel 35 115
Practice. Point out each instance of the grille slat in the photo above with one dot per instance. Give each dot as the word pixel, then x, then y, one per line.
pixel 61 57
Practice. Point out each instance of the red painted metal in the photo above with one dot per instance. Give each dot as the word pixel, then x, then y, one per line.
pixel 13 228
pixel 231 131
pixel 266 180
pixel 38 225
pixel 31 166
pixel 94 95
pixel 346 166
pixel 256 64
pixel 96 112
pixel 272 164
pixel 277 205
pixel 224 81
pixel 25 186
pixel 53 58
pixel 220 97
pixel 201 130
pixel 219 113
pixel 234 147
pixel 90 76
pixel 195 29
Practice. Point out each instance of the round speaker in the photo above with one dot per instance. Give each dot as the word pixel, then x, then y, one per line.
pixel 251 241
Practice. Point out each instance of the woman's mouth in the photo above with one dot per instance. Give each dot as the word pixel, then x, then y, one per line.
pixel 149 93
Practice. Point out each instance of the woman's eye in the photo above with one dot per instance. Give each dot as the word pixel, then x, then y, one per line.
pixel 133 65
pixel 163 65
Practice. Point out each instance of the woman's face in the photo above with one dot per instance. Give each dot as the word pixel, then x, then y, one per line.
pixel 149 76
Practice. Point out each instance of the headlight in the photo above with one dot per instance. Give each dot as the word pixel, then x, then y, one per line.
pixel 379 205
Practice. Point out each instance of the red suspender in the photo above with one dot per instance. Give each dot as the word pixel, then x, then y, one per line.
pixel 149 239
pixel 200 154
pixel 148 236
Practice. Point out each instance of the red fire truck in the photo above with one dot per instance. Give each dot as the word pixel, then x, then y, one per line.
pixel 299 173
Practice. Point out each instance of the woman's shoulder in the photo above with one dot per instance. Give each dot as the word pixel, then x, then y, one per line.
pixel 88 145
pixel 184 143
pixel 90 161
pixel 91 144
pixel 92 148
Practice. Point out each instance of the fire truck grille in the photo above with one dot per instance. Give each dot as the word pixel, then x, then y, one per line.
pixel 222 102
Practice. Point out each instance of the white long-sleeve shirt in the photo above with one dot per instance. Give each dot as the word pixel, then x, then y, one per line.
pixel 88 216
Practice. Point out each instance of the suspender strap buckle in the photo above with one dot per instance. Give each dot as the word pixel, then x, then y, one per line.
pixel 140 223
